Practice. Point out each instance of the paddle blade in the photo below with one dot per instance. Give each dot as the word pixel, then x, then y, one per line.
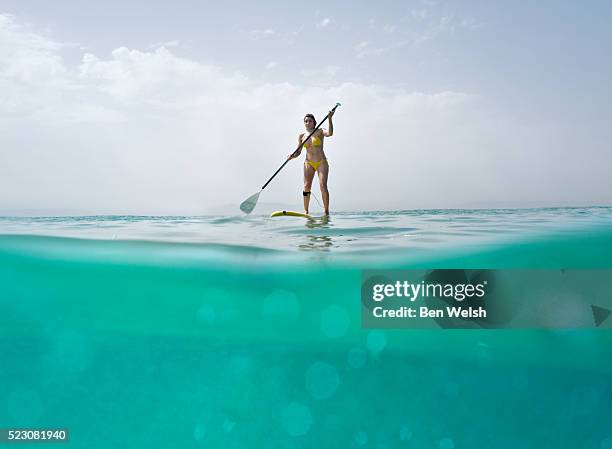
pixel 248 205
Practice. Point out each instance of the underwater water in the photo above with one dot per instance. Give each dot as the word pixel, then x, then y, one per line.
pixel 240 332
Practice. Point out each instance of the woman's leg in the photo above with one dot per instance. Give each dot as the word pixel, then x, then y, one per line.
pixel 323 171
pixel 308 177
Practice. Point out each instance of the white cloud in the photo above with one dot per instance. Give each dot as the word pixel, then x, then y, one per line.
pixel 271 65
pixel 326 75
pixel 151 132
pixel 259 34
pixel 420 13
pixel 363 49
pixel 375 24
pixel 366 49
pixel 427 28
pixel 471 24
pixel 27 56
pixel 157 77
pixel 173 43
pixel 434 29
pixel 324 22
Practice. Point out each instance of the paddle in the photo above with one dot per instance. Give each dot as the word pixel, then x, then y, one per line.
pixel 249 204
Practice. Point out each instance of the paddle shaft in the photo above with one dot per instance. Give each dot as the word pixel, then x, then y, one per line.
pixel 299 147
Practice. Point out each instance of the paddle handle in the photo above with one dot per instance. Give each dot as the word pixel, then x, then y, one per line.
pixel 300 146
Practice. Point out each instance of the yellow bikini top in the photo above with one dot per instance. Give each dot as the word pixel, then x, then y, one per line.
pixel 316 142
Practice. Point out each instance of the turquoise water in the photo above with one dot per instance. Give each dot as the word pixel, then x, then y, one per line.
pixel 239 332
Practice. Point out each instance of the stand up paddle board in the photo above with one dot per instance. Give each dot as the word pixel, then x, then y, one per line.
pixel 289 213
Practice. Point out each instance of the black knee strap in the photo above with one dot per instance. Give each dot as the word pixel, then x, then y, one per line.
pixel 306 193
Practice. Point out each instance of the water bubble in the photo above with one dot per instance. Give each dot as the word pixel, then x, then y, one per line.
pixel 24 405
pixel 70 353
pixel 241 365
pixel 446 443
pixel 334 321
pixel 322 380
pixel 199 432
pixel 228 425
pixel 361 438
pixel 376 341
pixel 206 314
pixel 357 357
pixel 405 434
pixel 584 399
pixel 281 304
pixel 297 419
pixel 218 306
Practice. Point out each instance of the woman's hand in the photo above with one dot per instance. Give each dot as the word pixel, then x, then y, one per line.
pixel 295 154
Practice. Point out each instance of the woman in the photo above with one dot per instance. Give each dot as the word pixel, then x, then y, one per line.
pixel 315 158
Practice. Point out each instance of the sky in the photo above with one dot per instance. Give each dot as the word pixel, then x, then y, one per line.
pixel 189 107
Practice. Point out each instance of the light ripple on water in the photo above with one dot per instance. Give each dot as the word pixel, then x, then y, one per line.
pixel 343 232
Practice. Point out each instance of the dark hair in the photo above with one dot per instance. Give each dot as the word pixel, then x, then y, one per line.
pixel 312 117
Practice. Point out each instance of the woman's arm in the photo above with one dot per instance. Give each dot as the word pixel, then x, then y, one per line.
pixel 330 129
pixel 297 152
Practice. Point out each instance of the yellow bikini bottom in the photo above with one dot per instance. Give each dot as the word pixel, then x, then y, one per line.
pixel 314 164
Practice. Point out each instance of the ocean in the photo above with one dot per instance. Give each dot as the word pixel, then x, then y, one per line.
pixel 242 332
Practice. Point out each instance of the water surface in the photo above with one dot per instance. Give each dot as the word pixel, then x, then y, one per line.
pixel 241 332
